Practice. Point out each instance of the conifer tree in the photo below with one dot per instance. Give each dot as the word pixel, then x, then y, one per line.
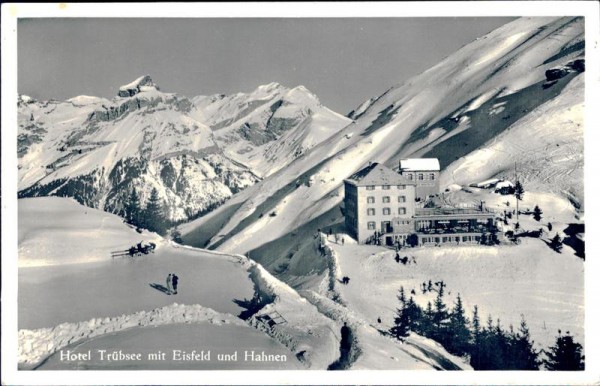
pixel 153 215
pixel 519 191
pixel 133 209
pixel 476 340
pixel 523 355
pixel 401 321
pixel 458 327
pixel 537 213
pixel 425 325
pixel 566 354
pixel 440 318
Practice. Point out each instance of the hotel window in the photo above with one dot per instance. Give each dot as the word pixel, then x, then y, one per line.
pixel 386 211
pixel 370 200
pixel 371 225
pixel 432 176
pixel 386 187
pixel 370 187
pixel 386 199
pixel 401 187
pixel 421 177
pixel 370 212
pixel 401 198
pixel 401 210
pixel 410 176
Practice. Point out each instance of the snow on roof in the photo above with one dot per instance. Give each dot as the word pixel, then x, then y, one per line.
pixel 504 184
pixel 420 164
pixel 378 174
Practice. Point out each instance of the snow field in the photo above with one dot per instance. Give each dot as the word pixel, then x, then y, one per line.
pixel 505 281
pixel 47 224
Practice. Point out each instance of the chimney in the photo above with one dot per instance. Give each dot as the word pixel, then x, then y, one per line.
pixel 482 206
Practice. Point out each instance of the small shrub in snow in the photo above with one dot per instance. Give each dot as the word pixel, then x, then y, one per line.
pixel 556 243
pixel 537 213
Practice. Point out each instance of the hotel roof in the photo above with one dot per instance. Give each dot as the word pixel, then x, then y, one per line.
pixel 420 164
pixel 378 174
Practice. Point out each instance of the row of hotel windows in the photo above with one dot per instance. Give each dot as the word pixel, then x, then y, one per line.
pixel 386 211
pixel 371 225
pixel 421 176
pixel 386 187
pixel 385 199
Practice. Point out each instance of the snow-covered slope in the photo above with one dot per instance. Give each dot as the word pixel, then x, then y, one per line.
pixel 269 127
pixel 450 110
pixel 546 146
pixel 121 304
pixel 98 151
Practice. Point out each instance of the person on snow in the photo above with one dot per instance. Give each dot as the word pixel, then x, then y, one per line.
pixel 175 280
pixel 169 284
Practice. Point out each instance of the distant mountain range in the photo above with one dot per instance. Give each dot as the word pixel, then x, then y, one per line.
pixel 195 152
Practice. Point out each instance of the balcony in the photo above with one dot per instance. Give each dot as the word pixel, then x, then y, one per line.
pixel 480 228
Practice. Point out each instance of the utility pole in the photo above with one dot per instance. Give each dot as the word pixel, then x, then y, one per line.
pixel 517 198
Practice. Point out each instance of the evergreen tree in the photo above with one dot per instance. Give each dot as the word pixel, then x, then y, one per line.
pixel 401 322
pixel 153 214
pixel 523 356
pixel 476 340
pixel 556 243
pixel 519 191
pixel 440 318
pixel 425 325
pixel 458 327
pixel 491 350
pixel 537 213
pixel 566 354
pixel 133 209
pixel 414 314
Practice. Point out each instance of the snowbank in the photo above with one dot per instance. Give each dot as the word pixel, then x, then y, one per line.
pixel 35 345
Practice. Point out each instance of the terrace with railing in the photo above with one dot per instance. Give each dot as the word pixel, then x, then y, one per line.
pixel 432 212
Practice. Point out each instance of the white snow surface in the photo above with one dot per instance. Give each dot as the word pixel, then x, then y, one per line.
pixel 530 279
pixel 112 304
pixel 546 146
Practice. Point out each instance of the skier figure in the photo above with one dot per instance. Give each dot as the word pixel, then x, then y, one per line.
pixel 175 280
pixel 342 240
pixel 169 284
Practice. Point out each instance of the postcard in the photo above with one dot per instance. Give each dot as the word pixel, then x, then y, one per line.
pixel 299 193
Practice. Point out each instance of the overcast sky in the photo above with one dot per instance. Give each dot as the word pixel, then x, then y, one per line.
pixel 343 61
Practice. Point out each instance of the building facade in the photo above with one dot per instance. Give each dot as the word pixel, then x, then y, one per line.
pixel 378 200
pixel 380 206
pixel 425 172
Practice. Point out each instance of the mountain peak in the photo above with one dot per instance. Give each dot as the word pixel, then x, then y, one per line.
pixel 270 86
pixel 141 84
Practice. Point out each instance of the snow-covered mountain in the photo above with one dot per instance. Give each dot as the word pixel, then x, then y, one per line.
pixel 491 86
pixel 195 153
pixel 269 127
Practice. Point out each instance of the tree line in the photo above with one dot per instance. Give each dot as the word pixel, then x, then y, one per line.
pixel 151 216
pixel 488 346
